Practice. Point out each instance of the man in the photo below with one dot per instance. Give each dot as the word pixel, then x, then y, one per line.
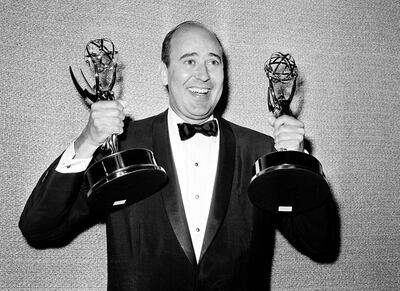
pixel 200 232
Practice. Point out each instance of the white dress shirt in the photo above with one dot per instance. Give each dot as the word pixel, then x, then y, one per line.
pixel 196 162
pixel 68 164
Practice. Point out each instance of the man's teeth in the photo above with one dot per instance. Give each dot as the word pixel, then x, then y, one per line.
pixel 199 90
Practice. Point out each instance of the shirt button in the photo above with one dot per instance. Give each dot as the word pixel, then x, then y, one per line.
pixel 197 196
pixel 197 229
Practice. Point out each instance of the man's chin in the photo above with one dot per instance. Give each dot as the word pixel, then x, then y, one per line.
pixel 199 117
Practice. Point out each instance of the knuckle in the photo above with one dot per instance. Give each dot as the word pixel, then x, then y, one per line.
pixel 114 121
pixel 116 112
pixel 96 123
pixel 95 106
pixel 93 114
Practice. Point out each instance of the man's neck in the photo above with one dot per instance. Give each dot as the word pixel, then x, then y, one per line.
pixel 179 118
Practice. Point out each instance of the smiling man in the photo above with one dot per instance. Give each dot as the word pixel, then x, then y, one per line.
pixel 200 232
pixel 193 72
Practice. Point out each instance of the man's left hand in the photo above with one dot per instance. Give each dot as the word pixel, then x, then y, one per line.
pixel 288 133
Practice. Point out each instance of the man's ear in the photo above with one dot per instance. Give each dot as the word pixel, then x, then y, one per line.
pixel 163 73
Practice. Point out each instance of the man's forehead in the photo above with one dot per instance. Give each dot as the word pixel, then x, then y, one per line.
pixel 190 38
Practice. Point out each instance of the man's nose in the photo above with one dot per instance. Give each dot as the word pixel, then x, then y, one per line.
pixel 201 72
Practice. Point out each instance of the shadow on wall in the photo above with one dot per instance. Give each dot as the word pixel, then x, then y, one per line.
pixel 223 102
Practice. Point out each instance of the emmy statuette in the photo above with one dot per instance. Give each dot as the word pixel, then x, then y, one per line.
pixel 121 178
pixel 286 181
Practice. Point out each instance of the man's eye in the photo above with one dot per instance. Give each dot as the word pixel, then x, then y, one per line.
pixel 214 62
pixel 190 62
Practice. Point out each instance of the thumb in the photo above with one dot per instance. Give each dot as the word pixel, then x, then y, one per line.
pixel 123 103
pixel 271 120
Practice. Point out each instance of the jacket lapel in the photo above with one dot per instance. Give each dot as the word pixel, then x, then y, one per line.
pixel 222 185
pixel 171 193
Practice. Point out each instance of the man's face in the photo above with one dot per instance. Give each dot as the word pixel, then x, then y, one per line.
pixel 195 74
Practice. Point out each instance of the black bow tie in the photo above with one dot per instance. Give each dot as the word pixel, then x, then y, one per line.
pixel 187 130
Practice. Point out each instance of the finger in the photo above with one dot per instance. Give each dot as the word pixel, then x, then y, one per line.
pixel 107 109
pixel 290 145
pixel 101 123
pixel 289 137
pixel 288 129
pixel 271 120
pixel 287 120
pixel 114 130
pixel 108 113
pixel 108 105
pixel 123 103
pixel 98 129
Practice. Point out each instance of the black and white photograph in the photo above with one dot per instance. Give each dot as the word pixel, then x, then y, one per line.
pixel 200 145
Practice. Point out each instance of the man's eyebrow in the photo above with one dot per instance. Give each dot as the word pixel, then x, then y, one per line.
pixel 188 55
pixel 216 56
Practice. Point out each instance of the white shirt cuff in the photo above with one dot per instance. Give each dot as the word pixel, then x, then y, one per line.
pixel 68 164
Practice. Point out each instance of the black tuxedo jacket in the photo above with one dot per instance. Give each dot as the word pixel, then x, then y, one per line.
pixel 149 245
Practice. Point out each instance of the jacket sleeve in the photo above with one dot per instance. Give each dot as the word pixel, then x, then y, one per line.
pixel 315 233
pixel 56 211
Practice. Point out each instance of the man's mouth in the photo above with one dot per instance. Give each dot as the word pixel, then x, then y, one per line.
pixel 199 91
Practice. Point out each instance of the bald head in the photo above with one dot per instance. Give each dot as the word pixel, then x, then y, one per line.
pixel 166 45
pixel 192 69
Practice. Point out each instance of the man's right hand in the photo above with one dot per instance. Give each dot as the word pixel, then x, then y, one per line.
pixel 106 118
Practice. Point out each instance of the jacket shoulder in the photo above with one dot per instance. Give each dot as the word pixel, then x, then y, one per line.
pixel 139 133
pixel 249 137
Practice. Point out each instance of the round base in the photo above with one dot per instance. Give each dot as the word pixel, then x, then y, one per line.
pixel 123 178
pixel 294 185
